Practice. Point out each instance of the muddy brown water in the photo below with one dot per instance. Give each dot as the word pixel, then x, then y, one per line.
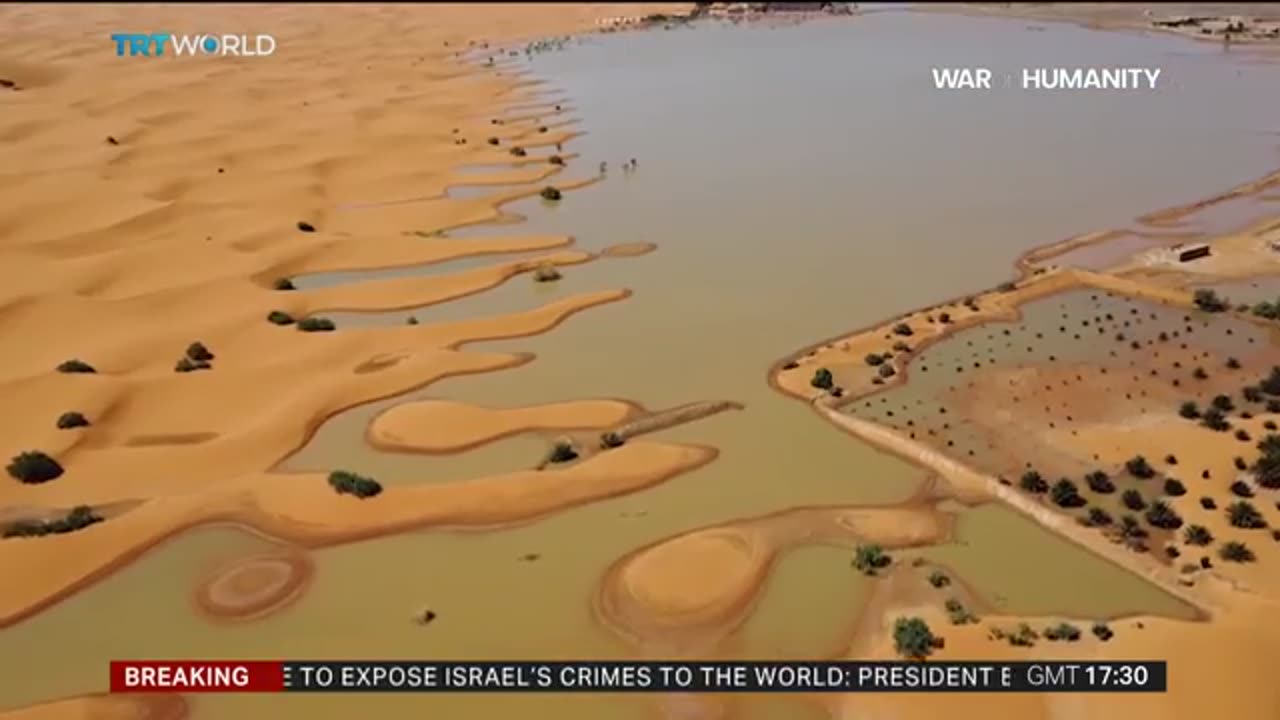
pixel 800 181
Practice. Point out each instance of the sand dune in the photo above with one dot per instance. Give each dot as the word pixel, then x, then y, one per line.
pixel 441 426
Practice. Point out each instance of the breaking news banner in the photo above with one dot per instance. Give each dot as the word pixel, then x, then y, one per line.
pixel 191 676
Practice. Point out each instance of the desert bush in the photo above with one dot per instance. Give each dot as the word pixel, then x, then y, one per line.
pixel 913 639
pixel 1102 632
pixel 945 318
pixel 1198 535
pixel 1031 481
pixel 901 347
pixel 1235 551
pixel 939 579
pixel 1098 517
pixel 1200 374
pixel 1240 488
pixel 306 226
pixel 1233 364
pixel 75 366
pixel 556 160
pixel 33 467
pixel 1062 631
pixel 903 329
pixel 279 317
pixel 69 420
pixel 870 558
pixel 1207 300
pixel 1007 286
pixel 874 359
pixel 283 284
pixel 1189 410
pixel 822 379
pixel 1271 384
pixel 1208 503
pixel 1243 514
pixel 1065 494
pixel 1251 393
pixel 316 324
pixel 1132 499
pixel 1223 403
pixel 197 352
pixel 1173 487
pixel 958 613
pixel 493 141
pixel 546 273
pixel 186 364
pixel 80 517
pixel 518 151
pixel 1266 471
pixel 1099 482
pixel 1139 467
pixel 349 483
pixel 611 439
pixel 1214 419
pixel 886 371
pixel 562 452
pixel 1161 515
pixel 550 193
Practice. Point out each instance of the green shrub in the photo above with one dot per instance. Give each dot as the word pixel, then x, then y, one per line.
pixel 1102 632
pixel 913 639
pixel 1197 535
pixel 1189 410
pixel 69 420
pixel 1062 631
pixel 1173 487
pixel 349 483
pixel 1032 482
pixel 1214 419
pixel 939 579
pixel 1098 517
pixel 1223 403
pixel 1065 494
pixel 280 317
pixel 33 467
pixel 550 193
pixel 958 613
pixel 1132 499
pixel 562 452
pixel 1243 514
pixel 1099 482
pixel 316 324
pixel 1208 301
pixel 822 379
pixel 870 558
pixel 1234 551
pixel 1140 468
pixel 80 517
pixel 75 366
pixel 186 364
pixel 1161 515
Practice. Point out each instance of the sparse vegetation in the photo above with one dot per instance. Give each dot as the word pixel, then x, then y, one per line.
pixel 33 467
pixel 1098 517
pixel 69 420
pixel 958 613
pixel 80 517
pixel 870 558
pixel 1200 374
pixel 1197 535
pixel 1100 482
pixel 556 160
pixel 1140 468
pixel 913 639
pixel 874 359
pixel 1240 488
pixel 1207 300
pixel 886 371
pixel 1173 487
pixel 1233 364
pixel 1102 632
pixel 546 273
pixel 1271 385
pixel 186 364
pixel 550 193
pixel 197 352
pixel 1214 419
pixel 75 366
pixel 562 452
pixel 316 324
pixel 939 579
pixel 1243 514
pixel 1189 410
pixel 1031 481
pixel 349 483
pixel 280 317
pixel 903 329
pixel 1062 631
pixel 1132 499
pixel 1161 515
pixel 1024 636
pixel 1235 551
pixel 822 379
pixel 1065 494
pixel 1223 403
pixel 518 151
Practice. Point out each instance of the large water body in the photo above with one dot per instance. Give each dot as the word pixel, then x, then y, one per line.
pixel 801 181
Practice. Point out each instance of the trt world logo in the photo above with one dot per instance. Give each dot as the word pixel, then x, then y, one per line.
pixel 153 45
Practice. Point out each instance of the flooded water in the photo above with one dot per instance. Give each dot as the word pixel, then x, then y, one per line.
pixel 800 182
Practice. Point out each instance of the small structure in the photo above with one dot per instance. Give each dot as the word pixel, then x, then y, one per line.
pixel 1192 252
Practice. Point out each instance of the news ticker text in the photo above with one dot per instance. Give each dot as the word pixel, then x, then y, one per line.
pixel 190 676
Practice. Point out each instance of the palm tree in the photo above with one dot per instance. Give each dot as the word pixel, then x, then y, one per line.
pixel 1099 482
pixel 1065 494
pixel 1162 516
pixel 1032 482
pixel 1243 514
pixel 1233 551
pixel 1197 535
pixel 1132 499
pixel 1140 468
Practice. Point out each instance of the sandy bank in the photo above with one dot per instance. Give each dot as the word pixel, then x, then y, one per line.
pixel 302 509
pixel 441 426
